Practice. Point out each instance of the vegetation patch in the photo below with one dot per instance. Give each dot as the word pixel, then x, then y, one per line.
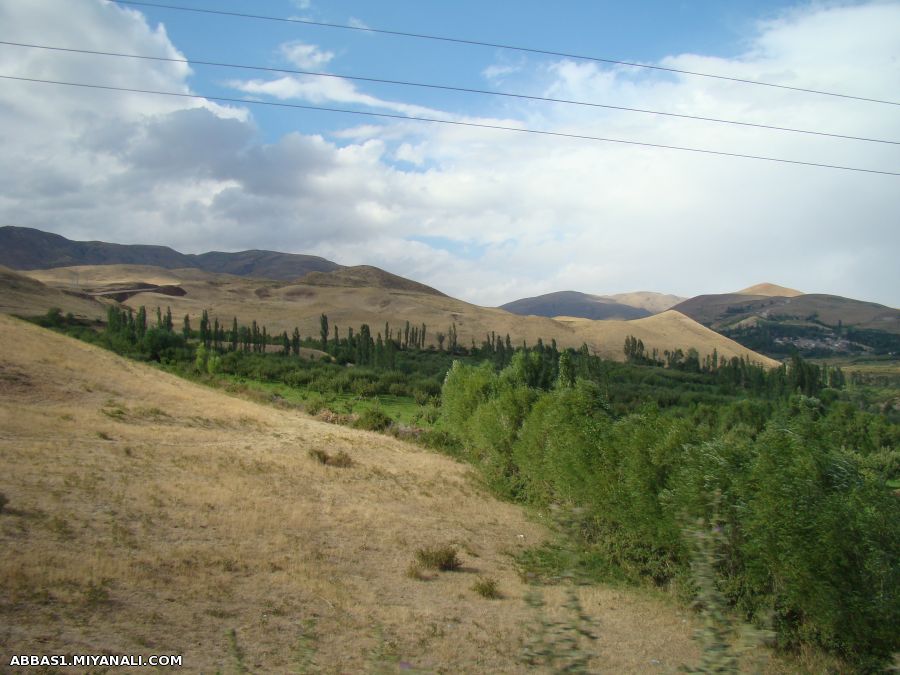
pixel 341 459
pixel 487 587
pixel 442 558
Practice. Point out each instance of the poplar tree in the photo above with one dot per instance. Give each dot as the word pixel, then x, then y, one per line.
pixel 323 331
pixel 186 327
pixel 295 341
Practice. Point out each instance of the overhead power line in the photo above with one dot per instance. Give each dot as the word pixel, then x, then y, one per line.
pixel 478 43
pixel 478 125
pixel 544 99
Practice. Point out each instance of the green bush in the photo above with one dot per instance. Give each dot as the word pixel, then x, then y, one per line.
pixel 442 558
pixel 373 419
pixel 487 588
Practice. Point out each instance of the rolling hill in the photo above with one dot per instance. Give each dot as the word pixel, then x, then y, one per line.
pixel 23 248
pixel 814 324
pixel 623 306
pixel 353 296
pixel 573 303
pixel 160 516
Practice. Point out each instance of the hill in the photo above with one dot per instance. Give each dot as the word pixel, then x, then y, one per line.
pixel 25 296
pixel 624 306
pixel 147 514
pixel 770 290
pixel 573 303
pixel 815 324
pixel 348 299
pixel 652 302
pixel 23 248
pixel 366 276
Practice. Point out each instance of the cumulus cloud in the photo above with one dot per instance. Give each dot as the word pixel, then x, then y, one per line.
pixel 485 215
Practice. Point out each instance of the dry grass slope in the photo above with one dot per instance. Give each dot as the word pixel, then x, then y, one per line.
pixel 283 305
pixel 770 291
pixel 147 514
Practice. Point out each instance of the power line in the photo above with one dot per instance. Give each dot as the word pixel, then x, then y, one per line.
pixel 544 99
pixel 530 50
pixel 479 125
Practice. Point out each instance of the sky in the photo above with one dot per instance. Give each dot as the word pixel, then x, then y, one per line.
pixel 485 215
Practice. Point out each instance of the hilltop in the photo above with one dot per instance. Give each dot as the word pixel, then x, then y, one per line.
pixel 157 515
pixel 770 290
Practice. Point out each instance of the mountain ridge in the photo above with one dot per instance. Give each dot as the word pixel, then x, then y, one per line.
pixel 25 248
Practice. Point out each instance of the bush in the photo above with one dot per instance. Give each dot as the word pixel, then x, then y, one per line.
pixel 486 588
pixel 443 558
pixel 373 419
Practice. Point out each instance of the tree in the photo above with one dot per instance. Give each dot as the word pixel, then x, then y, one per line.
pixel 295 342
pixel 323 331
pixel 566 377
pixel 186 327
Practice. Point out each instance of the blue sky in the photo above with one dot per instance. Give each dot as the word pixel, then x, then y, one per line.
pixel 642 32
pixel 484 215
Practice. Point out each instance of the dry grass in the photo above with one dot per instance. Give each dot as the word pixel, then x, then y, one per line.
pixel 200 514
pixel 282 305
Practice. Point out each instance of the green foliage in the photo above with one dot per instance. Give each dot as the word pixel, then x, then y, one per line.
pixel 810 533
pixel 373 419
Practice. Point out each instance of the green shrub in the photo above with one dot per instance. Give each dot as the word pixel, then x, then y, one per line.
pixel 373 419
pixel 486 588
pixel 442 558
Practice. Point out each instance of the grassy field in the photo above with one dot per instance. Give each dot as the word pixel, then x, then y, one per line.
pixel 147 514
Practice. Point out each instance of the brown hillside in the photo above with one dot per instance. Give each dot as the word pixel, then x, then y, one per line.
pixel 366 276
pixel 25 296
pixel 652 302
pixel 770 291
pixel 670 328
pixel 282 305
pixel 149 515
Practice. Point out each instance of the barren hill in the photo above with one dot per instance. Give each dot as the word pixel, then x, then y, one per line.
pixel 23 295
pixel 649 300
pixel 770 290
pixel 147 514
pixel 283 305
pixel 366 276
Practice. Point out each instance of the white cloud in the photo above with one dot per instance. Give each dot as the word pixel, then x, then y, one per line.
pixel 305 56
pixel 516 214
